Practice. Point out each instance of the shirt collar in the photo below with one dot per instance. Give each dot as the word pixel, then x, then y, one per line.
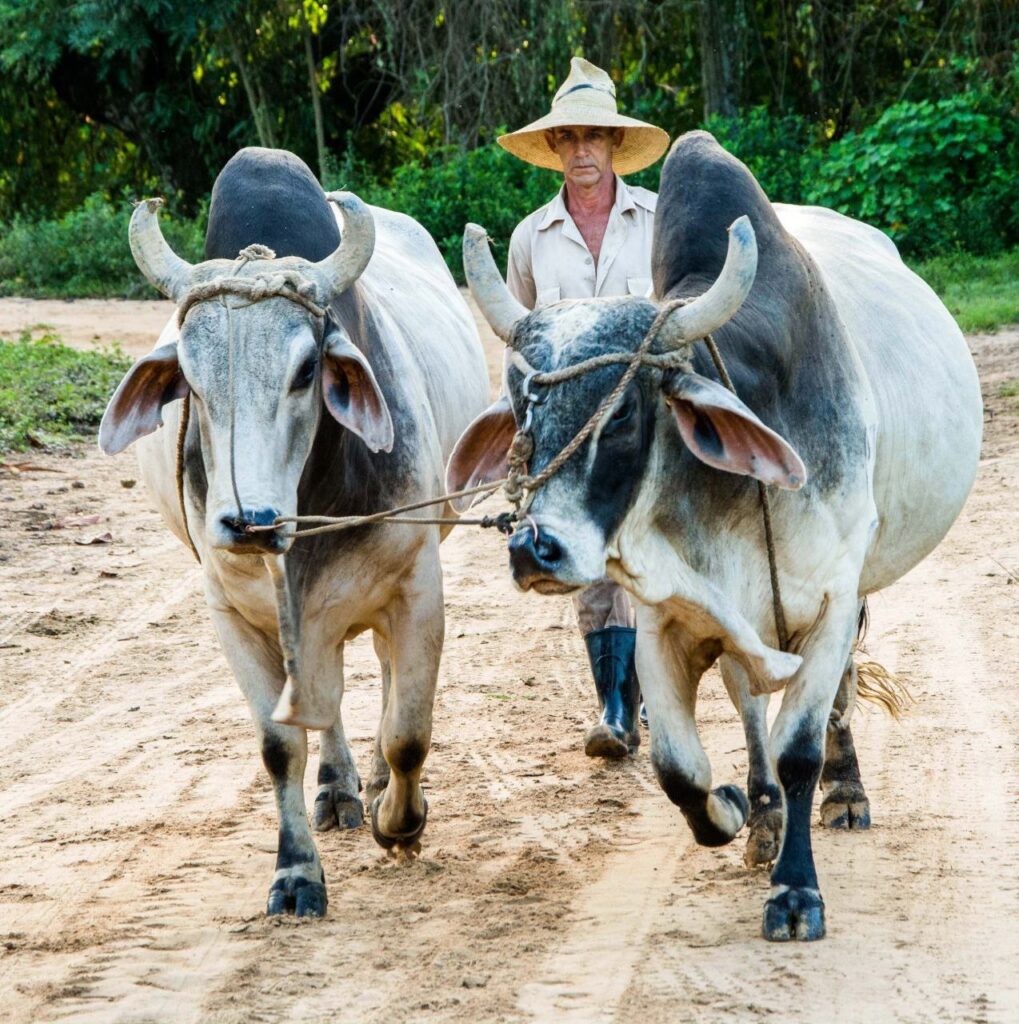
pixel 556 210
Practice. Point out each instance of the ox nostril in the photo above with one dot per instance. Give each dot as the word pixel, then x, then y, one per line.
pixel 547 549
pixel 542 551
pixel 238 524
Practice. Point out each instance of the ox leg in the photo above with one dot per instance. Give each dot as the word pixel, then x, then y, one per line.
pixel 669 674
pixel 298 885
pixel 414 635
pixel 845 804
pixel 795 909
pixel 379 778
pixel 337 803
pixel 766 815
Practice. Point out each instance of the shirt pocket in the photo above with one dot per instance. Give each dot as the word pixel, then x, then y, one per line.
pixel 547 296
pixel 639 286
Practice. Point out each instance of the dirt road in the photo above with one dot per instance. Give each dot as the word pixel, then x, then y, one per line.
pixel 138 830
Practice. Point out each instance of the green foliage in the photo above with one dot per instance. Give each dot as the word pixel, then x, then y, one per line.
pixel 979 291
pixel 781 150
pixel 934 175
pixel 486 186
pixel 85 252
pixel 49 392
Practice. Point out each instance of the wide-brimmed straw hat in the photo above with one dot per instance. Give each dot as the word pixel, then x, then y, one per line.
pixel 588 97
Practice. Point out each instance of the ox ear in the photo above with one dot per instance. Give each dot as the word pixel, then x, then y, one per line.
pixel 722 432
pixel 352 394
pixel 136 406
pixel 479 457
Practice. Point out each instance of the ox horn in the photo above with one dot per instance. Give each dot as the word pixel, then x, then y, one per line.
pixel 164 269
pixel 500 308
pixel 719 303
pixel 338 271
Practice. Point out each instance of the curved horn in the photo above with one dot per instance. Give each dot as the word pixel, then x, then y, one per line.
pixel 338 271
pixel 500 308
pixel 156 260
pixel 719 303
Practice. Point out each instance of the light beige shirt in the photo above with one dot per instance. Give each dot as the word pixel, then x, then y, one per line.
pixel 549 259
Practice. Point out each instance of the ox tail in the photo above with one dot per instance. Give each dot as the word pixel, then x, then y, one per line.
pixel 874 683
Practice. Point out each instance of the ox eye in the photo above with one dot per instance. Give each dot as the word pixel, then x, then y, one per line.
pixel 620 415
pixel 305 375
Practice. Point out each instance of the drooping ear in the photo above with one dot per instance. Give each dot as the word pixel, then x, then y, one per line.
pixel 352 394
pixel 722 432
pixel 136 406
pixel 479 457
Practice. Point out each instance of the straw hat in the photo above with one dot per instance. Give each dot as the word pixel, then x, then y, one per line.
pixel 588 97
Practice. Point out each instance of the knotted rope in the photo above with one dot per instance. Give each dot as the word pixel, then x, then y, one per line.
pixel 522 447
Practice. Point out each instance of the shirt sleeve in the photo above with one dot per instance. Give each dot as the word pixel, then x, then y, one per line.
pixel 519 271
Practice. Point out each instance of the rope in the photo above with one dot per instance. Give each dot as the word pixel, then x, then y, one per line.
pixel 781 630
pixel 182 433
pixel 335 523
pixel 522 448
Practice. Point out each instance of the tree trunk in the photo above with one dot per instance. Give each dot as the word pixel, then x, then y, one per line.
pixel 316 104
pixel 721 32
pixel 249 91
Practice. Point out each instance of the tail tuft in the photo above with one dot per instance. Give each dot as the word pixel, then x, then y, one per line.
pixel 876 685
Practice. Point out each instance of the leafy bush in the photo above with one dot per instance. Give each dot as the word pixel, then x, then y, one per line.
pixel 50 392
pixel 85 252
pixel 780 150
pixel 486 186
pixel 935 175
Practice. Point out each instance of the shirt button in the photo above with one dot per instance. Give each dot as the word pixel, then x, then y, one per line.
pixel 587 259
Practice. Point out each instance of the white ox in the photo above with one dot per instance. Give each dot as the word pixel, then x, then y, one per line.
pixel 857 396
pixel 295 413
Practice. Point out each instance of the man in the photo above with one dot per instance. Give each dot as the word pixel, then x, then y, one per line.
pixel 593 239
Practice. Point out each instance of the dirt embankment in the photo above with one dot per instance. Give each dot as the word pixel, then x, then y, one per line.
pixel 138 826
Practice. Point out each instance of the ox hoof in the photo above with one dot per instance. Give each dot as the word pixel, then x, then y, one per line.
pixel 294 894
pixel 765 836
pixel 336 809
pixel 603 741
pixel 794 914
pixel 846 806
pixel 403 844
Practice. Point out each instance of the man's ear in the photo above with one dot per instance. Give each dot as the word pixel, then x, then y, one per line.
pixel 136 406
pixel 722 432
pixel 352 394
pixel 479 457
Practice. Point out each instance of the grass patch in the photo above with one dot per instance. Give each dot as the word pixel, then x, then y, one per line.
pixel 49 393
pixel 980 291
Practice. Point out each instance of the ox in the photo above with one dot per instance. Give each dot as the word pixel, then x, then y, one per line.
pixel 336 385
pixel 847 366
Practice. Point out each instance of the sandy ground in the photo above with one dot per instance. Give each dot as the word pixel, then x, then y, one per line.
pixel 138 829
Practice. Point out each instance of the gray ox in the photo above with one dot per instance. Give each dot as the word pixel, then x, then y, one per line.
pixel 295 413
pixel 847 366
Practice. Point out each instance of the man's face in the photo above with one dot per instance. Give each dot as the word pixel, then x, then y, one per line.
pixel 585 152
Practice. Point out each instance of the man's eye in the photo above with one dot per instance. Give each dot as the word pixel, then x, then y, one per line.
pixel 304 376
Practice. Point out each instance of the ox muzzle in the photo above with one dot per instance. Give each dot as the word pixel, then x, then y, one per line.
pixel 230 532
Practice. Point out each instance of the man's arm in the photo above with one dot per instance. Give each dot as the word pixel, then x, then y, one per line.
pixel 519 272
